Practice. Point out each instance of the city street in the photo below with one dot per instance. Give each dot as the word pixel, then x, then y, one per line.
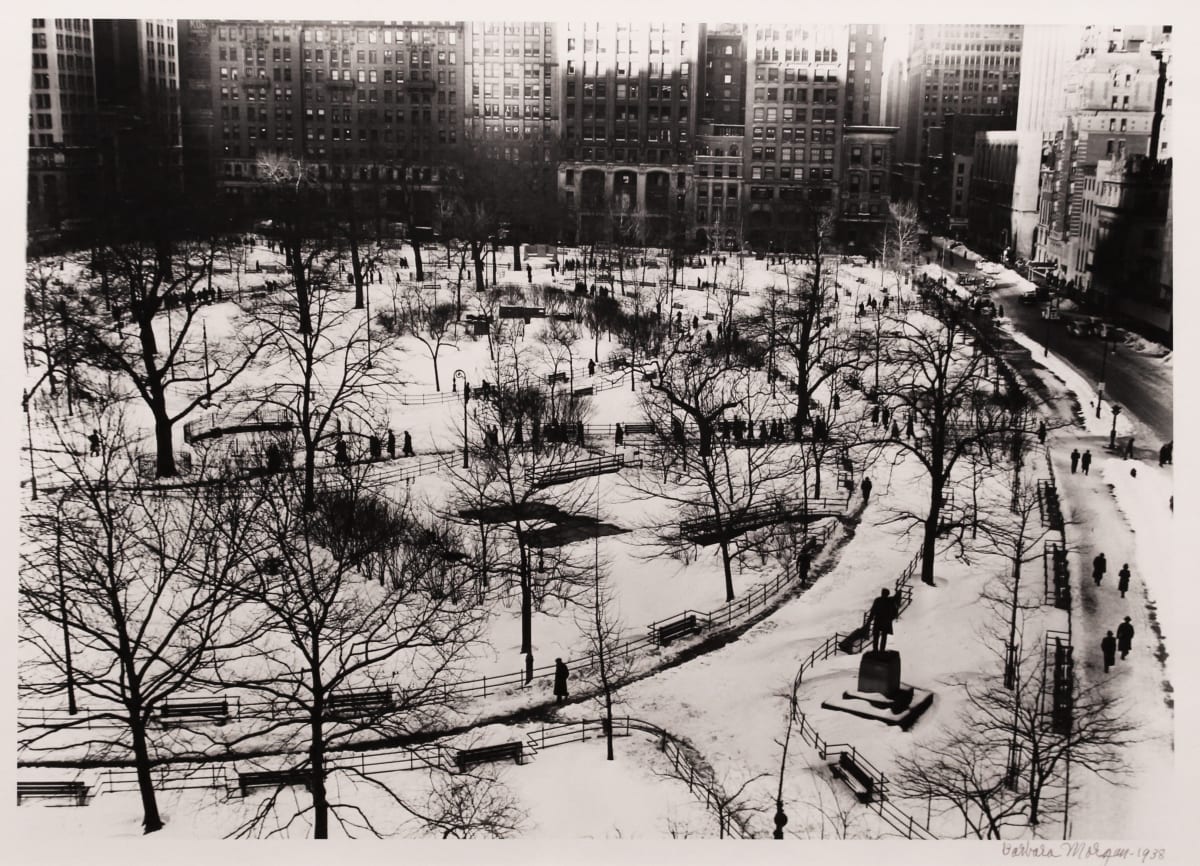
pixel 1140 384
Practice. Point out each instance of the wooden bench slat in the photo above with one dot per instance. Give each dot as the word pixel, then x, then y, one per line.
pixel 484 754
pixel 69 789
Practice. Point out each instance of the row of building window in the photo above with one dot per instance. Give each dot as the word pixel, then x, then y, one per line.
pixel 441 36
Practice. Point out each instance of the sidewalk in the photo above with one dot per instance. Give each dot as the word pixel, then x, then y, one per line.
pixel 1097 522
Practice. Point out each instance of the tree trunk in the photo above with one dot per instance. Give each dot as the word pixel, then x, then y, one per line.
pixel 151 821
pixel 726 560
pixel 929 543
pixel 437 382
pixel 516 247
pixel 163 444
pixel 608 714
pixel 300 278
pixel 356 269
pixel 317 782
pixel 310 475
pixel 416 245
pixel 479 281
pixel 526 600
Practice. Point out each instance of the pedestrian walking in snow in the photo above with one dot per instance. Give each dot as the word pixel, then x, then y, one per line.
pixel 837 402
pixel 620 435
pixel 883 613
pixel 341 456
pixel 875 414
pixel 1099 567
pixel 391 445
pixel 1125 637
pixel 529 272
pixel 895 430
pixel 94 443
pixel 1086 461
pixel 1041 434
pixel 866 490
pixel 1074 461
pixel 1108 646
pixel 591 367
pixel 560 680
pixel 407 449
pixel 1129 448
pixel 376 447
pixel 1123 579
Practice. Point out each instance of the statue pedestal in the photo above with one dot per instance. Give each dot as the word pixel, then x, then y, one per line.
pixel 879 671
pixel 880 694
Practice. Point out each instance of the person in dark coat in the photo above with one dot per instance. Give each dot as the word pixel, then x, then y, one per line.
pixel 620 435
pixel 895 430
pixel 1074 460
pixel 883 613
pixel 1125 637
pixel 1129 448
pixel 1041 433
pixel 1085 461
pixel 1099 567
pixel 407 448
pixel 908 427
pixel 1108 646
pixel 1123 579
pixel 341 457
pixel 591 367
pixel 866 490
pixel 94 443
pixel 875 414
pixel 529 272
pixel 391 445
pixel 376 447
pixel 560 680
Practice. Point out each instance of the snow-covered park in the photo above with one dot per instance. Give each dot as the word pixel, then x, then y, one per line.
pixel 336 608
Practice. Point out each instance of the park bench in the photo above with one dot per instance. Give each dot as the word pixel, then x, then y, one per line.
pixel 353 704
pixel 668 631
pixel 76 791
pixel 487 754
pixel 859 780
pixel 556 377
pixel 194 708
pixel 639 429
pixel 586 391
pixel 273 779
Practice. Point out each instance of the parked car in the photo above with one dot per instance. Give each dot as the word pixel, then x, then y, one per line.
pixel 1077 329
pixel 1029 296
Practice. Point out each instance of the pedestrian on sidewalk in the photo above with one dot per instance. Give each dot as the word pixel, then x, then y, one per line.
pixel 407 448
pixel 94 443
pixel 620 435
pixel 376 447
pixel 1041 434
pixel 1108 646
pixel 391 444
pixel 560 680
pixel 1086 461
pixel 1125 637
pixel 340 456
pixel 1123 579
pixel 1099 567
pixel 529 272
pixel 1074 460
pixel 866 490
pixel 1129 448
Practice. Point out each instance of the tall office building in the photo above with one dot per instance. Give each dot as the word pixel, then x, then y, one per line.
pixel 629 103
pixel 865 98
pixel 720 139
pixel 62 122
pixel 1109 99
pixel 949 70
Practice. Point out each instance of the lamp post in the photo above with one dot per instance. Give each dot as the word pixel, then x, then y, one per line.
pixel 1103 369
pixel 459 374
pixel 1112 436
pixel 367 302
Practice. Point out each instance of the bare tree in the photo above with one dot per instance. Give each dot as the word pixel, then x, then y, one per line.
pixel 936 380
pixel 600 624
pixel 716 480
pixel 901 238
pixel 524 433
pixel 171 372
pixel 341 656
pixel 331 367
pixel 474 805
pixel 431 323
pixel 126 598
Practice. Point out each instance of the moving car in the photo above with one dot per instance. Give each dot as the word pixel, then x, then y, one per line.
pixel 1077 329
pixel 1029 296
